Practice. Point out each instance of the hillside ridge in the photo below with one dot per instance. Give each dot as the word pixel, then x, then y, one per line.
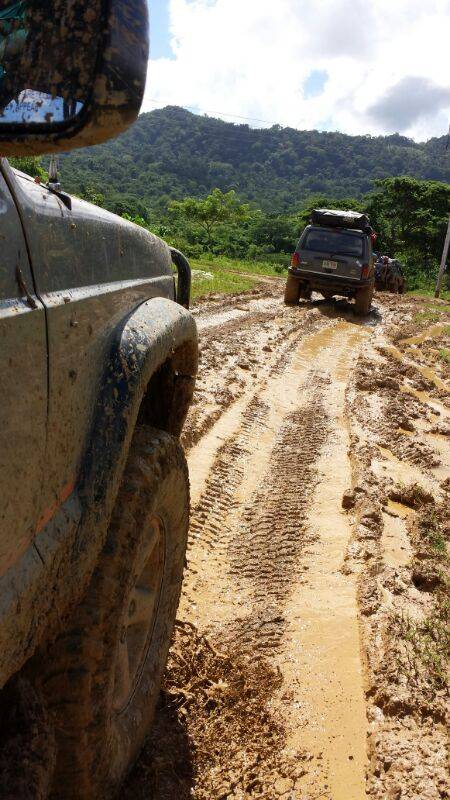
pixel 170 153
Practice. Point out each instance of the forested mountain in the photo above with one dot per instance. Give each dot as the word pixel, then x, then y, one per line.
pixel 170 153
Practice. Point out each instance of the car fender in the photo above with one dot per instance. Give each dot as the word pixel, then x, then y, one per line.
pixel 159 330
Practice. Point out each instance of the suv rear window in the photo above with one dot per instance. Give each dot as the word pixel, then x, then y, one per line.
pixel 333 242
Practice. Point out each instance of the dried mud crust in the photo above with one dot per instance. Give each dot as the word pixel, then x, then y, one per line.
pixel 399 504
pixel 420 329
pixel 388 413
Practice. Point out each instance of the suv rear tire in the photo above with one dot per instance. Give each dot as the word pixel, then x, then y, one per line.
pixel 103 673
pixel 292 291
pixel 363 300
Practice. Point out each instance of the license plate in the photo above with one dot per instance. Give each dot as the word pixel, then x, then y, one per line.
pixel 329 264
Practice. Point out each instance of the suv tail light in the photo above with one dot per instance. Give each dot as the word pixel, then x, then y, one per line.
pixel 295 260
pixel 365 271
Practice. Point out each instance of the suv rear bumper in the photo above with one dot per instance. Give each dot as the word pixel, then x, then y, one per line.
pixel 330 283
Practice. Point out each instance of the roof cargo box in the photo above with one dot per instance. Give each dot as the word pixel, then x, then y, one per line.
pixel 335 218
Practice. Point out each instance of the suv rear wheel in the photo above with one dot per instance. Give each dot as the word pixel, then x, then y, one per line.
pixel 292 291
pixel 363 300
pixel 103 674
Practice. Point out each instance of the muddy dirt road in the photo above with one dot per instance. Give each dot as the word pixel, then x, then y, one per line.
pixel 307 657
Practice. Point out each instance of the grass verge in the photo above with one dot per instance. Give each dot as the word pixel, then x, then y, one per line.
pixel 221 264
pixel 427 293
pixel 218 283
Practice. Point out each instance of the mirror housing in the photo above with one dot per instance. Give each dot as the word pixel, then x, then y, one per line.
pixel 115 93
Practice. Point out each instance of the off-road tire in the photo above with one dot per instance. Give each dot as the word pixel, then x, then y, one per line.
pixel 363 300
pixel 305 294
pixel 292 291
pixel 97 740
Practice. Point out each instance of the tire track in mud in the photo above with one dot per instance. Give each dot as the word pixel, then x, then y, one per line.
pixel 254 538
pixel 255 475
pixel 264 552
pixel 231 359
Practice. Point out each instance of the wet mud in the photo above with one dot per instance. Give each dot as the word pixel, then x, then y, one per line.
pixel 308 655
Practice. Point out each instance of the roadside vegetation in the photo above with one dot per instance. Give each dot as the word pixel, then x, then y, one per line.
pixel 220 233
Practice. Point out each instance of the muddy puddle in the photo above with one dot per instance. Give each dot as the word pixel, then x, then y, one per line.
pixel 428 333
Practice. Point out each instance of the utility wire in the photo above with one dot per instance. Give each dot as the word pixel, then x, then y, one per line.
pixel 223 113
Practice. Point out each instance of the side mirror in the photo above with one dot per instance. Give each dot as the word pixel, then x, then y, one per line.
pixel 72 72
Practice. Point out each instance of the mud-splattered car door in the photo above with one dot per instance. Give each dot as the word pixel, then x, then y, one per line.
pixel 23 393
pixel 91 270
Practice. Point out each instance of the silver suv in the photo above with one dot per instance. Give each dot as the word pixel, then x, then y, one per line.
pixel 334 257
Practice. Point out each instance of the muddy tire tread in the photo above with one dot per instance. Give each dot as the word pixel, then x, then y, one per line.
pixel 292 291
pixel 363 301
pixel 78 670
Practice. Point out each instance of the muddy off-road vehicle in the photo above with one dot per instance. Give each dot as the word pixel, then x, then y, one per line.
pixel 389 275
pixel 98 359
pixel 334 257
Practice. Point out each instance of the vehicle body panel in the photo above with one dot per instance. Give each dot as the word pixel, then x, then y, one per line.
pixel 91 269
pixel 94 275
pixel 23 389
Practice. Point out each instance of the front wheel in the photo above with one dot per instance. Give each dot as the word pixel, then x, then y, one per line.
pixel 292 291
pixel 363 300
pixel 103 674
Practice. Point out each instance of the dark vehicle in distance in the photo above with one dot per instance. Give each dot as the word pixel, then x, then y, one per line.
pixel 334 257
pixel 389 275
pixel 98 360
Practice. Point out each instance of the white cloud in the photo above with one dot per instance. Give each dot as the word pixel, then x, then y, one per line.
pixel 253 57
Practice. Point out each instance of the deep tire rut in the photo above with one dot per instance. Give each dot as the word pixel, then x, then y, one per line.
pixel 264 552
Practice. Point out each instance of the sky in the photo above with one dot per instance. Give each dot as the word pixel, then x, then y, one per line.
pixel 355 66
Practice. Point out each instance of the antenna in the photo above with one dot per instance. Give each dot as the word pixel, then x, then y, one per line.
pixel 53 177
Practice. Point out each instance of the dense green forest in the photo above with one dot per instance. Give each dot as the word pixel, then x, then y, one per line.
pixel 171 153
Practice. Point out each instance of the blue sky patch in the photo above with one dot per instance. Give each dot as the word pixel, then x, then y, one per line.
pixel 159 29
pixel 314 84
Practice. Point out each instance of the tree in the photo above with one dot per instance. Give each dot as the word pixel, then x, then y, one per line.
pixel 31 165
pixel 204 218
pixel 274 233
pixel 92 195
pixel 411 217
